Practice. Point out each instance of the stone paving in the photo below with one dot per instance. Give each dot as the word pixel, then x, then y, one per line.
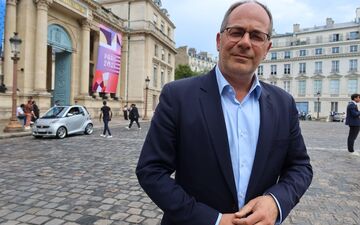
pixel 90 180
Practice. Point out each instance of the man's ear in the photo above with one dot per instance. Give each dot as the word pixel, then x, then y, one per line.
pixel 218 39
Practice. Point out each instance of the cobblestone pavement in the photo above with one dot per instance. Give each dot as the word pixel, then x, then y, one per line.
pixel 90 180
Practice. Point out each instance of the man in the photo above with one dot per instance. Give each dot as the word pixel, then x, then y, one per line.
pixel 106 114
pixel 20 114
pixel 353 121
pixel 233 142
pixel 133 116
pixel 36 111
pixel 125 111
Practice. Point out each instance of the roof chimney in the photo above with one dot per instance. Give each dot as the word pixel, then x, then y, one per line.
pixel 296 27
pixel 329 22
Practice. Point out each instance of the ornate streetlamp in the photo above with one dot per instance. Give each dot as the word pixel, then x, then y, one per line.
pixel 147 81
pixel 14 125
pixel 318 104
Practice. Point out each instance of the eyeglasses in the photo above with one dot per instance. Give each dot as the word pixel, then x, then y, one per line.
pixel 235 34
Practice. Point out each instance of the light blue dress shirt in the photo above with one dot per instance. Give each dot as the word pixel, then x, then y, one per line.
pixel 242 126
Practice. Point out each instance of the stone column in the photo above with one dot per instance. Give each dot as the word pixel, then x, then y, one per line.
pixel 10 28
pixel 85 57
pixel 41 45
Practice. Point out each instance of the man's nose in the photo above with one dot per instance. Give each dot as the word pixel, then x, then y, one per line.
pixel 245 40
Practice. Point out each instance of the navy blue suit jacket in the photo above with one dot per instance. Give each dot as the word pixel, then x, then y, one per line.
pixel 188 136
pixel 352 115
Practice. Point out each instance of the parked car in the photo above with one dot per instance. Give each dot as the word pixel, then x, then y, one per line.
pixel 60 121
pixel 338 117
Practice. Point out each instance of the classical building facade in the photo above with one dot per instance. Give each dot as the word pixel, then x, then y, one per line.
pixel 151 47
pixel 60 42
pixel 318 65
pixel 198 62
pixel 58 52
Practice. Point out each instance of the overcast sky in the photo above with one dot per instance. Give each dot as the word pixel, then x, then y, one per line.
pixel 198 21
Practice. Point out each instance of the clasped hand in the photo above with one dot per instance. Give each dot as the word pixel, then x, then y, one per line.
pixel 260 211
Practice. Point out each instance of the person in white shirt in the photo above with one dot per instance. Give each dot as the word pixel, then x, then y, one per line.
pixel 20 113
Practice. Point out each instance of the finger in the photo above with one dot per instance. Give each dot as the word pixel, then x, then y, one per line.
pixel 246 210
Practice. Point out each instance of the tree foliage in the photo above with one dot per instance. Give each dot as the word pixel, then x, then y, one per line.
pixel 183 71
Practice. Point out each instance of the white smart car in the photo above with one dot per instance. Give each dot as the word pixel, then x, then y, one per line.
pixel 60 121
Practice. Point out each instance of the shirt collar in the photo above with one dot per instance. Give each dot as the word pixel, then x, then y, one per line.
pixel 223 83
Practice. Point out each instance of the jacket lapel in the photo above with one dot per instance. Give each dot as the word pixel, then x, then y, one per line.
pixel 264 142
pixel 210 102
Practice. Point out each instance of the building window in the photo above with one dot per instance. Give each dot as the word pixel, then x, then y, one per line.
pixel 354 35
pixel 260 71
pixel 352 86
pixel 156 49
pixel 286 68
pixel 302 87
pixel 334 106
pixel 287 85
pixel 353 64
pixel 334 87
pixel 162 54
pixel 169 76
pixel 169 58
pixel 273 83
pixel 319 39
pixel 335 66
pixel 169 32
pixel 162 26
pixel 317 86
pixel 273 70
pixel 155 76
pixel 302 68
pixel 287 55
pixel 155 19
pixel 162 77
pixel 318 67
pixel 318 51
pixel 336 37
pixel 335 50
pixel 302 52
pixel 353 48
pixel 273 56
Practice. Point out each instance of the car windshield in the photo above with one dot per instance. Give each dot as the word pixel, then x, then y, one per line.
pixel 54 112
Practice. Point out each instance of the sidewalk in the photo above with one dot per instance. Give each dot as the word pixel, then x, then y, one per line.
pixel 116 121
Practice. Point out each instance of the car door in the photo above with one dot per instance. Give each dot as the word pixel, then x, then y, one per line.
pixel 74 120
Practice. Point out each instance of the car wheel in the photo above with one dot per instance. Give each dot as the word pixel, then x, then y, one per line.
pixel 61 132
pixel 89 129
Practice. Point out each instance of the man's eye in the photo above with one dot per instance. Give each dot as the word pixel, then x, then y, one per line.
pixel 257 36
pixel 237 33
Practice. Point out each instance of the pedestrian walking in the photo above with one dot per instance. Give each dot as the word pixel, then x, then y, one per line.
pixel 353 121
pixel 106 115
pixel 235 156
pixel 133 116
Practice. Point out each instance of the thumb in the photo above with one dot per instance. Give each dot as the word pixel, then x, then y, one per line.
pixel 246 210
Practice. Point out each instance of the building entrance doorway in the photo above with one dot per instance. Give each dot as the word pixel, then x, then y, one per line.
pixel 59 65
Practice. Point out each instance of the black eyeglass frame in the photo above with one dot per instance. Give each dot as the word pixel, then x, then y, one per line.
pixel 268 37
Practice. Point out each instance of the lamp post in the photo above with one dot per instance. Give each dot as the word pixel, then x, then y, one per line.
pixel 147 81
pixel 318 104
pixel 14 125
